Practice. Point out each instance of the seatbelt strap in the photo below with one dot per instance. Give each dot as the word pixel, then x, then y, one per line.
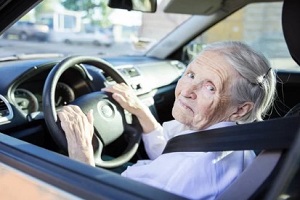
pixel 278 133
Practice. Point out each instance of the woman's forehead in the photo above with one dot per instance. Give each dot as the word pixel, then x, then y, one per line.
pixel 215 65
pixel 211 59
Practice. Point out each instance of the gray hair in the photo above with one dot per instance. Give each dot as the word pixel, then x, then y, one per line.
pixel 257 83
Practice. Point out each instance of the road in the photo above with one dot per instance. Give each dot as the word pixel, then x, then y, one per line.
pixel 12 47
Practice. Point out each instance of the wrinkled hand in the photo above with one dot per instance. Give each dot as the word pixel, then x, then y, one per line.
pixel 79 130
pixel 127 98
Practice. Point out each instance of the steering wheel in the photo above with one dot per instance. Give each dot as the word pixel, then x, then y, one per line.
pixel 110 119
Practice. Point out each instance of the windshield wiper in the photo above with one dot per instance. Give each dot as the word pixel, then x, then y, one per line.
pixel 30 56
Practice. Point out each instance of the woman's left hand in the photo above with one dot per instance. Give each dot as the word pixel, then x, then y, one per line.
pixel 127 98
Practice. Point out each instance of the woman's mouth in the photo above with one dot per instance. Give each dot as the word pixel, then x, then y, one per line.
pixel 184 105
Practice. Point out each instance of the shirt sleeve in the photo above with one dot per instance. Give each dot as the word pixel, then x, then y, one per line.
pixel 154 142
pixel 193 175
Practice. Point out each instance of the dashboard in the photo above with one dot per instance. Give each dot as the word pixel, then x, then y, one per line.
pixel 30 101
pixel 27 95
pixel 23 88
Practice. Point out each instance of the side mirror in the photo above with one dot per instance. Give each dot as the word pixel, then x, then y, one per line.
pixel 137 5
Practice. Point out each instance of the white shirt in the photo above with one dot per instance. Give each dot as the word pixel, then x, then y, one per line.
pixel 194 175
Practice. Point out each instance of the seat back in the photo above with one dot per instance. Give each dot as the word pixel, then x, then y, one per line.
pixel 291 27
pixel 295 111
pixel 249 184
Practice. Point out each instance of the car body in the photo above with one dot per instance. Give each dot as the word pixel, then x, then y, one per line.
pixel 96 38
pixel 92 35
pixel 33 86
pixel 26 30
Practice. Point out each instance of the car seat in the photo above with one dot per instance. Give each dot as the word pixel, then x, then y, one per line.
pixel 255 182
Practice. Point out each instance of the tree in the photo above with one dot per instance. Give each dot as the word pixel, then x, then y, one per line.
pixel 46 6
pixel 96 11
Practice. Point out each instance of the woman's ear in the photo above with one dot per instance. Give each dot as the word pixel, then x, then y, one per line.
pixel 241 111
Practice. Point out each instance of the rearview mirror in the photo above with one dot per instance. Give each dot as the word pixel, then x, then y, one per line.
pixel 137 5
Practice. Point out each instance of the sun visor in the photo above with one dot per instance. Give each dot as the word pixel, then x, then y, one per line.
pixel 193 7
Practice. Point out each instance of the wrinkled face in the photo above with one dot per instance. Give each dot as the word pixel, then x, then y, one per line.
pixel 203 94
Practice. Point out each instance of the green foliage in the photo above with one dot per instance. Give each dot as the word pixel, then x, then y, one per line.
pixel 45 7
pixel 90 9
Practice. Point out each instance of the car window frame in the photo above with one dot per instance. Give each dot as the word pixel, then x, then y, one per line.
pixel 73 177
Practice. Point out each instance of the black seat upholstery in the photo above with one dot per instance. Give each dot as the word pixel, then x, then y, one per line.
pixel 255 181
pixel 291 32
pixel 291 27
pixel 295 111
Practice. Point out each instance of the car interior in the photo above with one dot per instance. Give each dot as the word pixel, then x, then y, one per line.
pixel 32 140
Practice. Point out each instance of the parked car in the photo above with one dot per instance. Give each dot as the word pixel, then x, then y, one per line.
pixel 25 30
pixel 38 78
pixel 91 35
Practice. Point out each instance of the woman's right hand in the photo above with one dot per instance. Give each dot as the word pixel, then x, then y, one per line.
pixel 79 130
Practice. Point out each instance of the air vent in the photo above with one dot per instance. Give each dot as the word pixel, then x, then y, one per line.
pixel 127 71
pixel 6 113
pixel 107 77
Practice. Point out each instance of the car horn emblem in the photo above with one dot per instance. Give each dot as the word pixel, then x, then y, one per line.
pixel 106 109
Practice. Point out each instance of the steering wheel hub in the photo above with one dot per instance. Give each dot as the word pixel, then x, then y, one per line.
pixel 106 109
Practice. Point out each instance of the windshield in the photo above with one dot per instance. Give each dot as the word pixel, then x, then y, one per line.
pixel 87 27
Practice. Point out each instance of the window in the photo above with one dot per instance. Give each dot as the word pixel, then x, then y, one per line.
pixel 258 25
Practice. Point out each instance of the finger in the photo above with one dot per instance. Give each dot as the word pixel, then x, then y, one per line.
pixel 65 123
pixel 77 114
pixel 67 111
pixel 63 117
pixel 73 109
pixel 123 88
pixel 120 99
pixel 117 88
pixel 90 116
pixel 79 131
pixel 60 115
pixel 113 86
pixel 108 89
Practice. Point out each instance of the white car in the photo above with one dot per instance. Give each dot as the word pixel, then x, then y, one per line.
pixel 90 37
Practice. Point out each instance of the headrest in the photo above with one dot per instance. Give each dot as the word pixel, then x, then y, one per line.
pixel 291 27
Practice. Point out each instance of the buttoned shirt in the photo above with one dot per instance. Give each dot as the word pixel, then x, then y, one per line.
pixel 194 175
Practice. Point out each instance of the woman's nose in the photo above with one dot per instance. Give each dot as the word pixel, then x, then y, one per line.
pixel 189 92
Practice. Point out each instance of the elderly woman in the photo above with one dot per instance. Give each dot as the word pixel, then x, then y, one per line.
pixel 226 84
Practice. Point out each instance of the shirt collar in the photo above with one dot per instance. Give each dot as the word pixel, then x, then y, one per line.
pixel 221 124
pixel 217 125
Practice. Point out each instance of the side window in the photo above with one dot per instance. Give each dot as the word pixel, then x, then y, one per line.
pixel 258 25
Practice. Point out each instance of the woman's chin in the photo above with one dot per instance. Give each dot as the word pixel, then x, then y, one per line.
pixel 181 117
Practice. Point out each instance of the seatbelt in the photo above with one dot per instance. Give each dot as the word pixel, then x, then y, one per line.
pixel 278 133
pixel 272 135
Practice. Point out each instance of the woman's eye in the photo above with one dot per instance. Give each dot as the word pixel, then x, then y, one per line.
pixel 210 88
pixel 191 75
